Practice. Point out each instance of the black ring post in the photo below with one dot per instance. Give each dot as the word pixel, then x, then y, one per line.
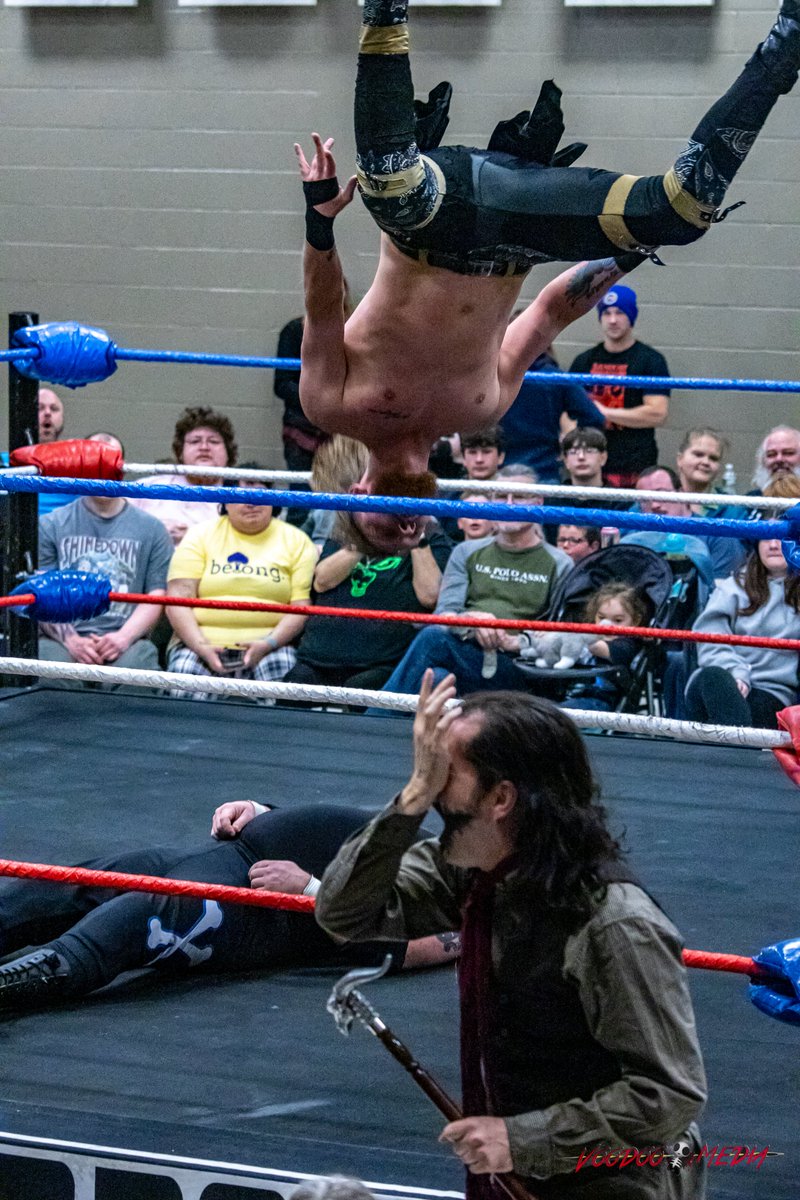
pixel 21 541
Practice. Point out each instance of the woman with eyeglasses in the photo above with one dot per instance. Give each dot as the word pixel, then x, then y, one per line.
pixel 203 439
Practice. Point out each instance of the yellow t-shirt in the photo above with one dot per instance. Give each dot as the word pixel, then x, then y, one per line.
pixel 275 565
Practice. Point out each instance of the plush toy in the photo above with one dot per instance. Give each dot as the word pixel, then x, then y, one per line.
pixel 558 651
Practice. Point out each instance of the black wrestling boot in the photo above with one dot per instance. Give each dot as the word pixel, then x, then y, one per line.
pixel 779 53
pixel 35 979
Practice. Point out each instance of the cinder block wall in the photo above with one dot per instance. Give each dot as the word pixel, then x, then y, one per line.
pixel 147 185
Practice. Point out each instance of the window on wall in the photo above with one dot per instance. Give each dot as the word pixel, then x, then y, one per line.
pixel 450 3
pixel 242 3
pixel 454 3
pixel 637 3
pixel 70 3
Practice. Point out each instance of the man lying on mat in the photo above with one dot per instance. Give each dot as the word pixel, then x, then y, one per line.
pixel 91 935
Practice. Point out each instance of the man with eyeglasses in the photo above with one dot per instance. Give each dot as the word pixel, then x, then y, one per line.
pixel 584 452
pixel 510 574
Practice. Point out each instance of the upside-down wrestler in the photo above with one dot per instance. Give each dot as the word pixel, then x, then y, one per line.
pixel 91 935
pixel 429 349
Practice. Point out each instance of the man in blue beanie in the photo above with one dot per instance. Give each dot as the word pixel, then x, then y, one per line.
pixel 631 413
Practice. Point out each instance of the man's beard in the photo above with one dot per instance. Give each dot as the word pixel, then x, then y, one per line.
pixel 417 485
pixel 762 475
pixel 453 824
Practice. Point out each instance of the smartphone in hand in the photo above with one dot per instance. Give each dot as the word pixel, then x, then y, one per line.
pixel 232 662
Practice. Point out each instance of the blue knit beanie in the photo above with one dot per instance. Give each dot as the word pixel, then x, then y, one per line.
pixel 620 297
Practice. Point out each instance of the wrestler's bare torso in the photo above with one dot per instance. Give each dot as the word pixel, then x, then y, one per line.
pixel 423 358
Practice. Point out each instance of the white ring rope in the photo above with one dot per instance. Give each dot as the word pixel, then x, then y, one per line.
pixel 712 499
pixel 687 731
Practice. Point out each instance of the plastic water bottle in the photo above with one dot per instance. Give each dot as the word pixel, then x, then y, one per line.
pixel 729 479
pixel 489 667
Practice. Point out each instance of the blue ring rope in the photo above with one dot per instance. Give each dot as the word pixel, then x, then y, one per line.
pixel 53 342
pixel 406 506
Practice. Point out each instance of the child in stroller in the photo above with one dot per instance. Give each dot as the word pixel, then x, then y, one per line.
pixel 613 604
pixel 622 584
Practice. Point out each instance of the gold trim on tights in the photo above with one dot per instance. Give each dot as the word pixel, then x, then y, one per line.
pixel 383 39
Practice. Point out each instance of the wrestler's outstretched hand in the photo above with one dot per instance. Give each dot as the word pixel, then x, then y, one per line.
pixel 323 166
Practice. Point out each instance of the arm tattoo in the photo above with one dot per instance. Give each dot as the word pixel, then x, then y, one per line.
pixel 591 280
pixel 451 942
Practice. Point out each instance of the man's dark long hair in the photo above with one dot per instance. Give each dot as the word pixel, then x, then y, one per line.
pixel 562 835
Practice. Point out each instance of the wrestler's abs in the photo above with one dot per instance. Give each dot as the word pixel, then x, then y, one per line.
pixel 422 349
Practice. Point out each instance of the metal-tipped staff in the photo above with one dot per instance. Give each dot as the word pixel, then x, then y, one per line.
pixel 347 1004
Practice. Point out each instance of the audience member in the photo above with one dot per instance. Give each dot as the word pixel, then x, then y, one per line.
pixel 612 604
pixel 483 452
pixel 106 536
pixel 242 554
pixel 700 462
pixel 344 652
pixel 51 416
pixel 578 541
pixel 445 459
pixel 108 439
pixel 301 438
pixel 778 454
pixel 473 527
pixel 631 414
pixel 51 427
pixel 508 575
pixel 784 487
pixel 204 439
pixel 541 412
pixel 714 557
pixel 339 467
pixel 748 685
pixel 584 453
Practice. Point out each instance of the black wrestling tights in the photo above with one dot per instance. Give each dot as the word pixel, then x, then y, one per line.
pixel 398 186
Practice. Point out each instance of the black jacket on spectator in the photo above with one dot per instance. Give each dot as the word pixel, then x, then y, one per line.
pixel 300 437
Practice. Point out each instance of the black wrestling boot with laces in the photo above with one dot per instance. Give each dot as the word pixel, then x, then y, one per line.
pixel 35 979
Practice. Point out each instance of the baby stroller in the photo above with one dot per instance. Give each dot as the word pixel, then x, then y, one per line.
pixel 668 589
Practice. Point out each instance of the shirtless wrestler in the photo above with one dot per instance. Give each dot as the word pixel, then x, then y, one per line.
pixel 430 349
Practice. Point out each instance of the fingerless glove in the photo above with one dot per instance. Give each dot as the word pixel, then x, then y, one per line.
pixel 319 229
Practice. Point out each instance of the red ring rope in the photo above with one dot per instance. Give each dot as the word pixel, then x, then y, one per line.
pixel 124 882
pixel 462 620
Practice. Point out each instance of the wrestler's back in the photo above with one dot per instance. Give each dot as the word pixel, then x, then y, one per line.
pixel 422 350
